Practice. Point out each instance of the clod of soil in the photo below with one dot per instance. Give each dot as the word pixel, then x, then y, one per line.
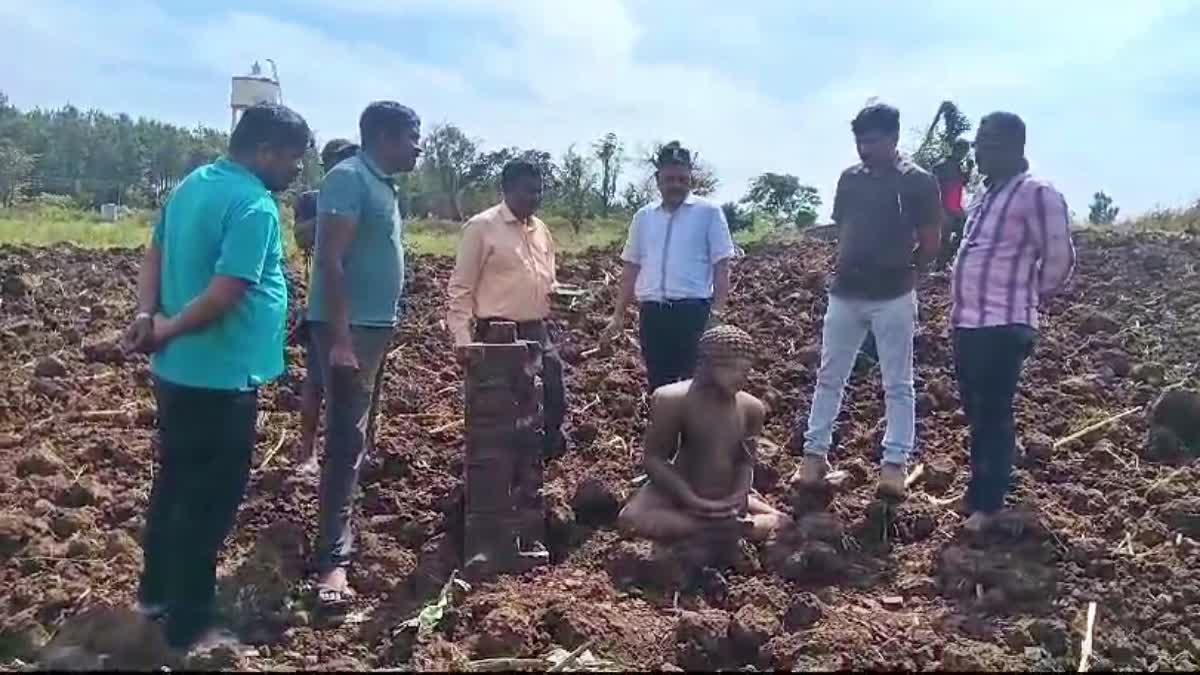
pixel 1178 412
pixel 40 461
pixel 750 629
pixel 104 351
pixel 646 565
pixel 1149 373
pixel 804 612
pixel 701 639
pixel 15 286
pixel 1183 515
pixel 1098 322
pixel 50 366
pixel 594 504
pixel 505 631
pixel 106 638
pixel 939 475
pixel 49 389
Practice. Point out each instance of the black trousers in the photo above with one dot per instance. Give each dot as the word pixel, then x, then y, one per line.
pixel 669 333
pixel 988 361
pixel 205 442
pixel 554 391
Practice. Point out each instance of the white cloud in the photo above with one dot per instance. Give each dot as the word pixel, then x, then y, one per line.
pixel 548 73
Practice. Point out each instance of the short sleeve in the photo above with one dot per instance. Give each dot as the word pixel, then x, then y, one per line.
pixel 341 193
pixel 246 240
pixel 928 198
pixel 720 241
pixel 839 200
pixel 632 253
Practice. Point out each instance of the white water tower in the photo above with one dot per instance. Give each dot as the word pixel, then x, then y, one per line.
pixel 247 90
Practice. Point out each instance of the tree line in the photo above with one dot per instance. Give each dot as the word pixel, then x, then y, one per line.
pixel 95 157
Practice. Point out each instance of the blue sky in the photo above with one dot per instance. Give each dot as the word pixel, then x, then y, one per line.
pixel 1110 91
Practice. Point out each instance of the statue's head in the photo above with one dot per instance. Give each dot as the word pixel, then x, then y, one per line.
pixel 725 356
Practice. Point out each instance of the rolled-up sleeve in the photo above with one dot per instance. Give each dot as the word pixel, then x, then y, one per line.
pixel 1054 235
pixel 632 253
pixel 720 241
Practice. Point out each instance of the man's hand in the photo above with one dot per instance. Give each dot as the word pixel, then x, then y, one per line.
pixel 615 325
pixel 461 354
pixel 163 331
pixel 139 337
pixel 716 316
pixel 342 355
pixel 713 509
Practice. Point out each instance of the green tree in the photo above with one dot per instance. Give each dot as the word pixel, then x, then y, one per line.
pixel 15 168
pixel 739 219
pixel 782 199
pixel 448 162
pixel 611 155
pixel 1102 211
pixel 935 144
pixel 577 188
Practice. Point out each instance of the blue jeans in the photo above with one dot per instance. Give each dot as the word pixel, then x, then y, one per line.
pixel 988 361
pixel 847 322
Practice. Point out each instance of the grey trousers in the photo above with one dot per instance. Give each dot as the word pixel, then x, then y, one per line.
pixel 351 401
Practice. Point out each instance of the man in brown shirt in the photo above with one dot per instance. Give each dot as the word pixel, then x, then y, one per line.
pixel 505 272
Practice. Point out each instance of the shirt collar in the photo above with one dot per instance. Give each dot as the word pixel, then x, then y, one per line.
pixel 227 164
pixel 374 168
pixel 507 215
pixel 897 164
pixel 989 184
pixel 689 199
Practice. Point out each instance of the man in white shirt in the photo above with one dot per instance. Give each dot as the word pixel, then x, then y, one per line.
pixel 676 263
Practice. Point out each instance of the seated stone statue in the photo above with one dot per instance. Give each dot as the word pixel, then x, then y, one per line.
pixel 699 451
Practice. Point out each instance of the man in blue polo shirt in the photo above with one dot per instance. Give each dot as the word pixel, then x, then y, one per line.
pixel 356 287
pixel 212 308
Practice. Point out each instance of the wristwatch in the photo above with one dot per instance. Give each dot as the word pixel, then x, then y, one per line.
pixel 143 315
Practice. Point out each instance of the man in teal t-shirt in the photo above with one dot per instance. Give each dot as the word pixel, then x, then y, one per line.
pixel 212 307
pixel 356 288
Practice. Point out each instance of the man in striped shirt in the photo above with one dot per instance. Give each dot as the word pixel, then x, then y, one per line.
pixel 1016 250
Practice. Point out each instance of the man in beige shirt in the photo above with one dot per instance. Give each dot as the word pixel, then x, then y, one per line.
pixel 505 272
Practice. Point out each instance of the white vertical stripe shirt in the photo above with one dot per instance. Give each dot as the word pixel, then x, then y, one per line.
pixel 677 250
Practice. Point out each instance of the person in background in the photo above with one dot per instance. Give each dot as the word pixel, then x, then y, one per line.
pixel 1017 251
pixel 312 393
pixel 953 175
pixel 505 272
pixel 357 285
pixel 883 206
pixel 212 310
pixel 676 263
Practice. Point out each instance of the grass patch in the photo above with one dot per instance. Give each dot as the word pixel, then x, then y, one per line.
pixel 45 225
pixel 1169 220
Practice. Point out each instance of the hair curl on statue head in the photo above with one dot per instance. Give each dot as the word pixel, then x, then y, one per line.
pixel 725 342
